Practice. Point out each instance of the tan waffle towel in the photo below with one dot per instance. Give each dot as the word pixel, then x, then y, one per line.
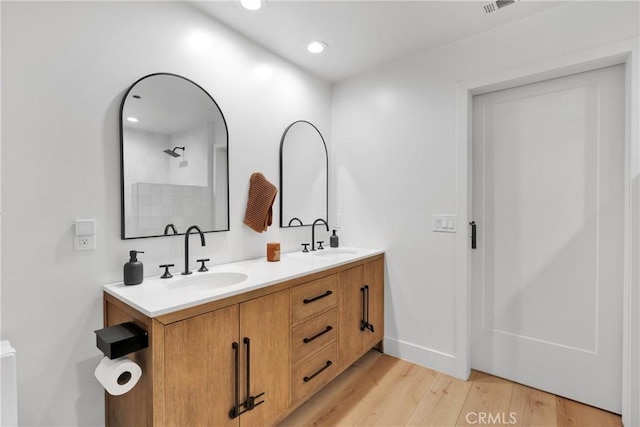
pixel 262 193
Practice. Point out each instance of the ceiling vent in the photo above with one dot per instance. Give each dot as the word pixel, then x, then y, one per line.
pixel 497 4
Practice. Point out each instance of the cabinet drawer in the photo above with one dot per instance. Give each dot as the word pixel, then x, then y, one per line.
pixel 313 298
pixel 314 334
pixel 314 372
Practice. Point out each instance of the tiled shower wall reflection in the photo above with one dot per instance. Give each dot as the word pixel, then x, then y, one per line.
pixel 156 205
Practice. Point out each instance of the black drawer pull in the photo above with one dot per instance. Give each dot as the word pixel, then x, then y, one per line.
pixel 319 334
pixel 326 294
pixel 307 379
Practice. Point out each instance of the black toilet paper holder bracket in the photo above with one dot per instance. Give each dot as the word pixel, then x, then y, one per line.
pixel 120 340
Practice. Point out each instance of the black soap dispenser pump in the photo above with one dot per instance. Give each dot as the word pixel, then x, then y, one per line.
pixel 133 270
pixel 333 240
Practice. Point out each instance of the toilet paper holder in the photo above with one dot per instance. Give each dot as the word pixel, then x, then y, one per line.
pixel 119 340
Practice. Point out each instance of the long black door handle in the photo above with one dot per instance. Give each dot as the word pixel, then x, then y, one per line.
pixel 473 234
pixel 319 334
pixel 326 294
pixel 318 372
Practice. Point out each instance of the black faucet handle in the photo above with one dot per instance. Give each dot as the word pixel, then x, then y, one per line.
pixel 202 266
pixel 166 274
pixel 320 242
pixel 306 247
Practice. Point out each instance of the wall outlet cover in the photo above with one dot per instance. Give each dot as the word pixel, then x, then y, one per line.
pixel 84 243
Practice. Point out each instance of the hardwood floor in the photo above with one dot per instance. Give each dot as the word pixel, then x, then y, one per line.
pixel 380 390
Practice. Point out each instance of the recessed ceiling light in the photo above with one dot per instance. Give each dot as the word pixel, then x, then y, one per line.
pixel 251 4
pixel 132 119
pixel 317 46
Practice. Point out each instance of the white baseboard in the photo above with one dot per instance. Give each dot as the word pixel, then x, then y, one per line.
pixel 429 358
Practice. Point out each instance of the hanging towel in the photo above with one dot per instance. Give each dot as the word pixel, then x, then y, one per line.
pixel 262 194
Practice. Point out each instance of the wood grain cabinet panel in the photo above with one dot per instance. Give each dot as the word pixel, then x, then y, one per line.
pixel 311 374
pixel 313 334
pixel 314 298
pixel 199 369
pixel 360 311
pixel 374 279
pixel 200 364
pixel 265 321
pixel 350 315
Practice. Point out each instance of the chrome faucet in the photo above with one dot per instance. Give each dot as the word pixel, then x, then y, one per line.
pixel 313 232
pixel 186 247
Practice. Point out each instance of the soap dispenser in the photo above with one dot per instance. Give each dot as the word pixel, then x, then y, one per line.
pixel 133 270
pixel 333 240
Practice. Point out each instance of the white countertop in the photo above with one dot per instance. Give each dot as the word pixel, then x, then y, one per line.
pixel 155 296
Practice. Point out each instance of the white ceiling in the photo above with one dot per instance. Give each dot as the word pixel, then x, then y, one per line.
pixel 360 33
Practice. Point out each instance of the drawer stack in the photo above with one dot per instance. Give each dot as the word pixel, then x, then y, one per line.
pixel 314 345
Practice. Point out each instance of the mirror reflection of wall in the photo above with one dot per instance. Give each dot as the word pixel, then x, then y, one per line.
pixel 174 158
pixel 303 175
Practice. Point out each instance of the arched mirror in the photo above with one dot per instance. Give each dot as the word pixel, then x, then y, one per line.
pixel 304 175
pixel 174 161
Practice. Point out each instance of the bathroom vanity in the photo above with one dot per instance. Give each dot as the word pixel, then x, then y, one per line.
pixel 247 343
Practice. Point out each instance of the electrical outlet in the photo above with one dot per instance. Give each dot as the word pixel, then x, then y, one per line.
pixel 84 243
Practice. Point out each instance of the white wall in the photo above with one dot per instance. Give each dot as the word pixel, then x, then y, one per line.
pixel 65 68
pixel 394 154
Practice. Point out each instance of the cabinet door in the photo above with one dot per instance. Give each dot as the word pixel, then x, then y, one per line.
pixel 266 323
pixel 199 369
pixel 374 279
pixel 349 316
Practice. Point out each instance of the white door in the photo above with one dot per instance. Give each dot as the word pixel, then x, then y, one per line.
pixel 548 201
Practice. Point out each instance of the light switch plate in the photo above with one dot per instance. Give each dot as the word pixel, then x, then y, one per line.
pixel 85 227
pixel 444 223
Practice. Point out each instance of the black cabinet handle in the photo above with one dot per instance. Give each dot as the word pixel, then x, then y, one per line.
pixel 235 411
pixel 473 234
pixel 319 334
pixel 307 379
pixel 364 323
pixel 326 294
pixel 250 403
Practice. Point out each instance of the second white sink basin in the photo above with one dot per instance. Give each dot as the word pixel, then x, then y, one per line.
pixel 208 281
pixel 332 252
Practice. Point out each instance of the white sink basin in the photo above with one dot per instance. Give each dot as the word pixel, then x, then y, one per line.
pixel 336 252
pixel 207 281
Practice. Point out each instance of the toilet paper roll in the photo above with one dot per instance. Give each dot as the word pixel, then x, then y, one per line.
pixel 118 376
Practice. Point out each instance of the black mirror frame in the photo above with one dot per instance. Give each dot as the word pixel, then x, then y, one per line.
pixel 124 98
pixel 326 156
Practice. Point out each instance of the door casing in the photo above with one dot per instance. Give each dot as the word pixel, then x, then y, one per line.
pixel 624 52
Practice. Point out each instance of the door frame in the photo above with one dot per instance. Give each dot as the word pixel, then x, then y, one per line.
pixel 624 52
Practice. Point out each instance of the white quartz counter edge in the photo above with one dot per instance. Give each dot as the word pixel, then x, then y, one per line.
pixel 155 296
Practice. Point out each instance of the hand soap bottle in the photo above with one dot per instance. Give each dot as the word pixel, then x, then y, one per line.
pixel 133 270
pixel 333 240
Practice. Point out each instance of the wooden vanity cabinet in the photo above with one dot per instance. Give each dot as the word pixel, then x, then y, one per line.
pixel 360 310
pixel 191 380
pixel 189 368
pixel 199 368
pixel 200 364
